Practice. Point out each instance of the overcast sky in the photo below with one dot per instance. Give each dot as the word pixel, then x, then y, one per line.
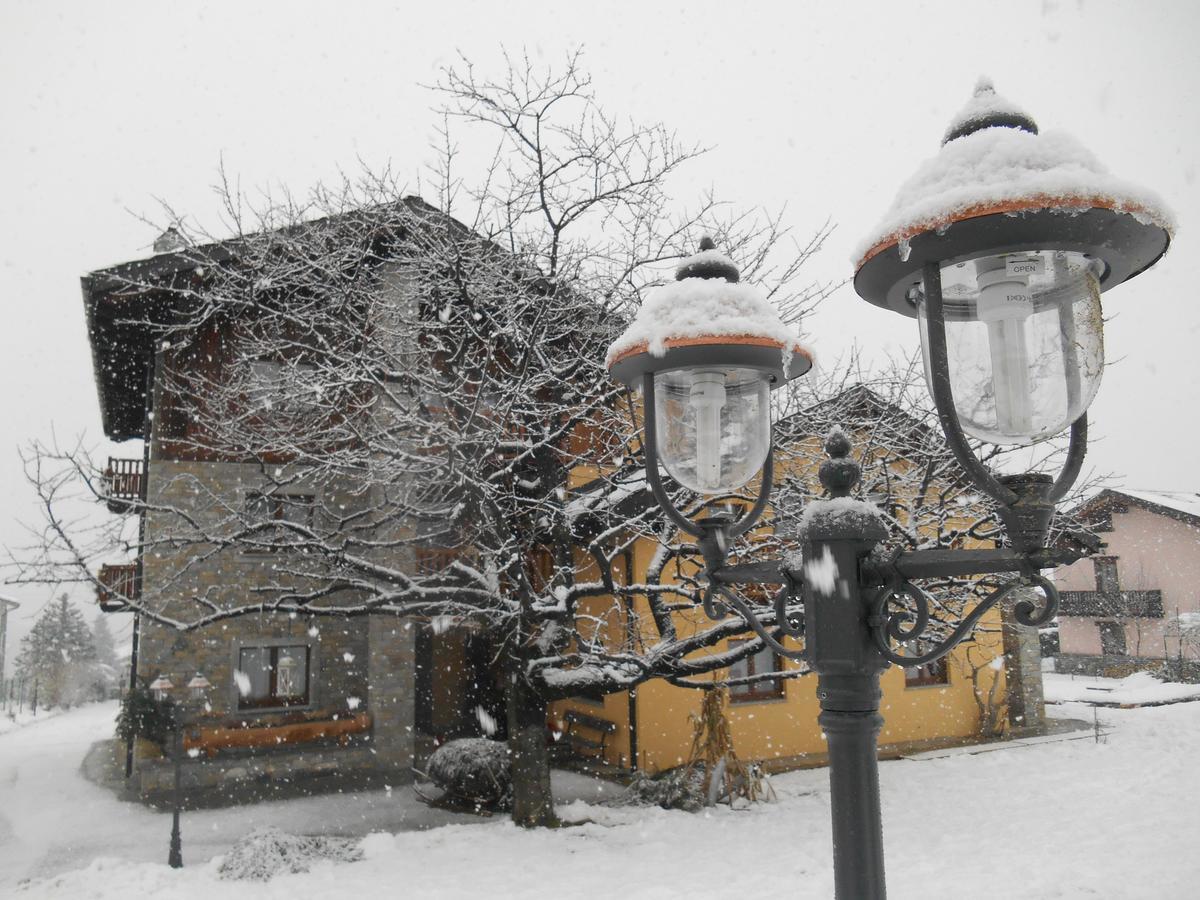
pixel 826 107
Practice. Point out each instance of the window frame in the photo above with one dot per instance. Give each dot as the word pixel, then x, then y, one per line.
pixel 1114 629
pixel 1108 579
pixel 275 643
pixel 931 674
pixel 767 689
pixel 279 501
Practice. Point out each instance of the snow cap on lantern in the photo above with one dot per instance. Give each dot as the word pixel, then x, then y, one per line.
pixel 995 162
pixel 1024 229
pixel 709 349
pixel 707 306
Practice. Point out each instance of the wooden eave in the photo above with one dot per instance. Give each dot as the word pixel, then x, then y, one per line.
pixel 1099 510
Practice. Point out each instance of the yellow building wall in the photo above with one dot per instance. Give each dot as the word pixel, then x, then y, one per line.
pixel 778 729
pixel 782 728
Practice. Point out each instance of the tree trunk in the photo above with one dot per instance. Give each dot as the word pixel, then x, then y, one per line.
pixel 533 802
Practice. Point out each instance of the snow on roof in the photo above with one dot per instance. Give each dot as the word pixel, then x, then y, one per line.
pixel 1181 501
pixel 1004 169
pixel 692 308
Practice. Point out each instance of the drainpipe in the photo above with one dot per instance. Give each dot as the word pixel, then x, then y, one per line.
pixel 143 493
pixel 632 693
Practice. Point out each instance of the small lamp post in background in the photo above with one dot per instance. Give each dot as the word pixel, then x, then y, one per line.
pixel 198 689
pixel 161 687
pixel 196 696
pixel 1000 247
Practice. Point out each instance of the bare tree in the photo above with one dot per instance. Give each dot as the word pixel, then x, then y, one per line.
pixel 422 401
pixel 418 398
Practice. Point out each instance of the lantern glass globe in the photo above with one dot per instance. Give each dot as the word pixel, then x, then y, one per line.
pixel 1024 342
pixel 713 424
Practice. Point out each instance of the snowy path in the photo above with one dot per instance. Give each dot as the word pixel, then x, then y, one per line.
pixel 1072 820
pixel 53 820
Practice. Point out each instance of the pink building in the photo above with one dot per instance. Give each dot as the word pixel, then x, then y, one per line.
pixel 1136 604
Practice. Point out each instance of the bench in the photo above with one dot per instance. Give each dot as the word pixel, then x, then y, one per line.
pixel 576 720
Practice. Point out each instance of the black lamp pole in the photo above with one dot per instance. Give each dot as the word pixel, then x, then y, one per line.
pixel 175 855
pixel 848 665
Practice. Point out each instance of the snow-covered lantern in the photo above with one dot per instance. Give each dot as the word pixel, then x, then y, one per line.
pixel 706 350
pixel 1001 246
pixel 198 686
pixel 161 688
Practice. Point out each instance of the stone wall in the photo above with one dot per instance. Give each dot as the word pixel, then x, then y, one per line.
pixel 392 669
pixel 1022 671
pixel 1112 666
pixel 356 664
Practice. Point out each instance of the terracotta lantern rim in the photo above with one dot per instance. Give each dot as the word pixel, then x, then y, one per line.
pixel 1024 204
pixel 744 340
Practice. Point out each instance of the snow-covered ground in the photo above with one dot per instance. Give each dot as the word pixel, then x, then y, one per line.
pixel 1070 819
pixel 19 718
pixel 1140 688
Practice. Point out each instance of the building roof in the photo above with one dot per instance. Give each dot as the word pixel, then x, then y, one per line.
pixel 1183 506
pixel 124 304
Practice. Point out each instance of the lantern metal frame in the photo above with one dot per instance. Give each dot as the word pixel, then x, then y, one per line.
pixel 847 630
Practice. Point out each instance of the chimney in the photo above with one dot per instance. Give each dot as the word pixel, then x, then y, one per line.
pixel 169 240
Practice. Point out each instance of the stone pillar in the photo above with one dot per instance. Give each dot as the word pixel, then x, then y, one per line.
pixel 1022 667
pixel 391 691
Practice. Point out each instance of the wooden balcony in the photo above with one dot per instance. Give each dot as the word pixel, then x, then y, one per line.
pixel 124 480
pixel 119 585
pixel 212 739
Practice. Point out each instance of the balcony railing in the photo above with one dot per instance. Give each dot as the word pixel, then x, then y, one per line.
pixel 1117 604
pixel 118 586
pixel 123 478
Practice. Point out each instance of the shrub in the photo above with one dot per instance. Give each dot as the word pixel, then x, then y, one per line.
pixel 473 770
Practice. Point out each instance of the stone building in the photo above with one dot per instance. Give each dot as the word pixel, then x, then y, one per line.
pixel 275 698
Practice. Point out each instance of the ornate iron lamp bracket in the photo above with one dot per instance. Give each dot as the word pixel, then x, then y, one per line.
pixel 904 626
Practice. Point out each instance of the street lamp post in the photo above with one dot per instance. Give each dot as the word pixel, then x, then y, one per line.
pixel 196 693
pixel 1004 269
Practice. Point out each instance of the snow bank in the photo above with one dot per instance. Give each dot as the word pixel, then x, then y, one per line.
pixel 996 832
pixel 14 719
pixel 267 852
pixel 1138 689
pixel 1003 170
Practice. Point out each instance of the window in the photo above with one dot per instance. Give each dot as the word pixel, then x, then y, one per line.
pixel 765 660
pixel 1106 574
pixel 272 676
pixel 936 672
pixel 294 508
pixel 1112 638
pixel 288 389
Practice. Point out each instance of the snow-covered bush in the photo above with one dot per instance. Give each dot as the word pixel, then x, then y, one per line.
pixel 681 788
pixel 267 852
pixel 475 770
